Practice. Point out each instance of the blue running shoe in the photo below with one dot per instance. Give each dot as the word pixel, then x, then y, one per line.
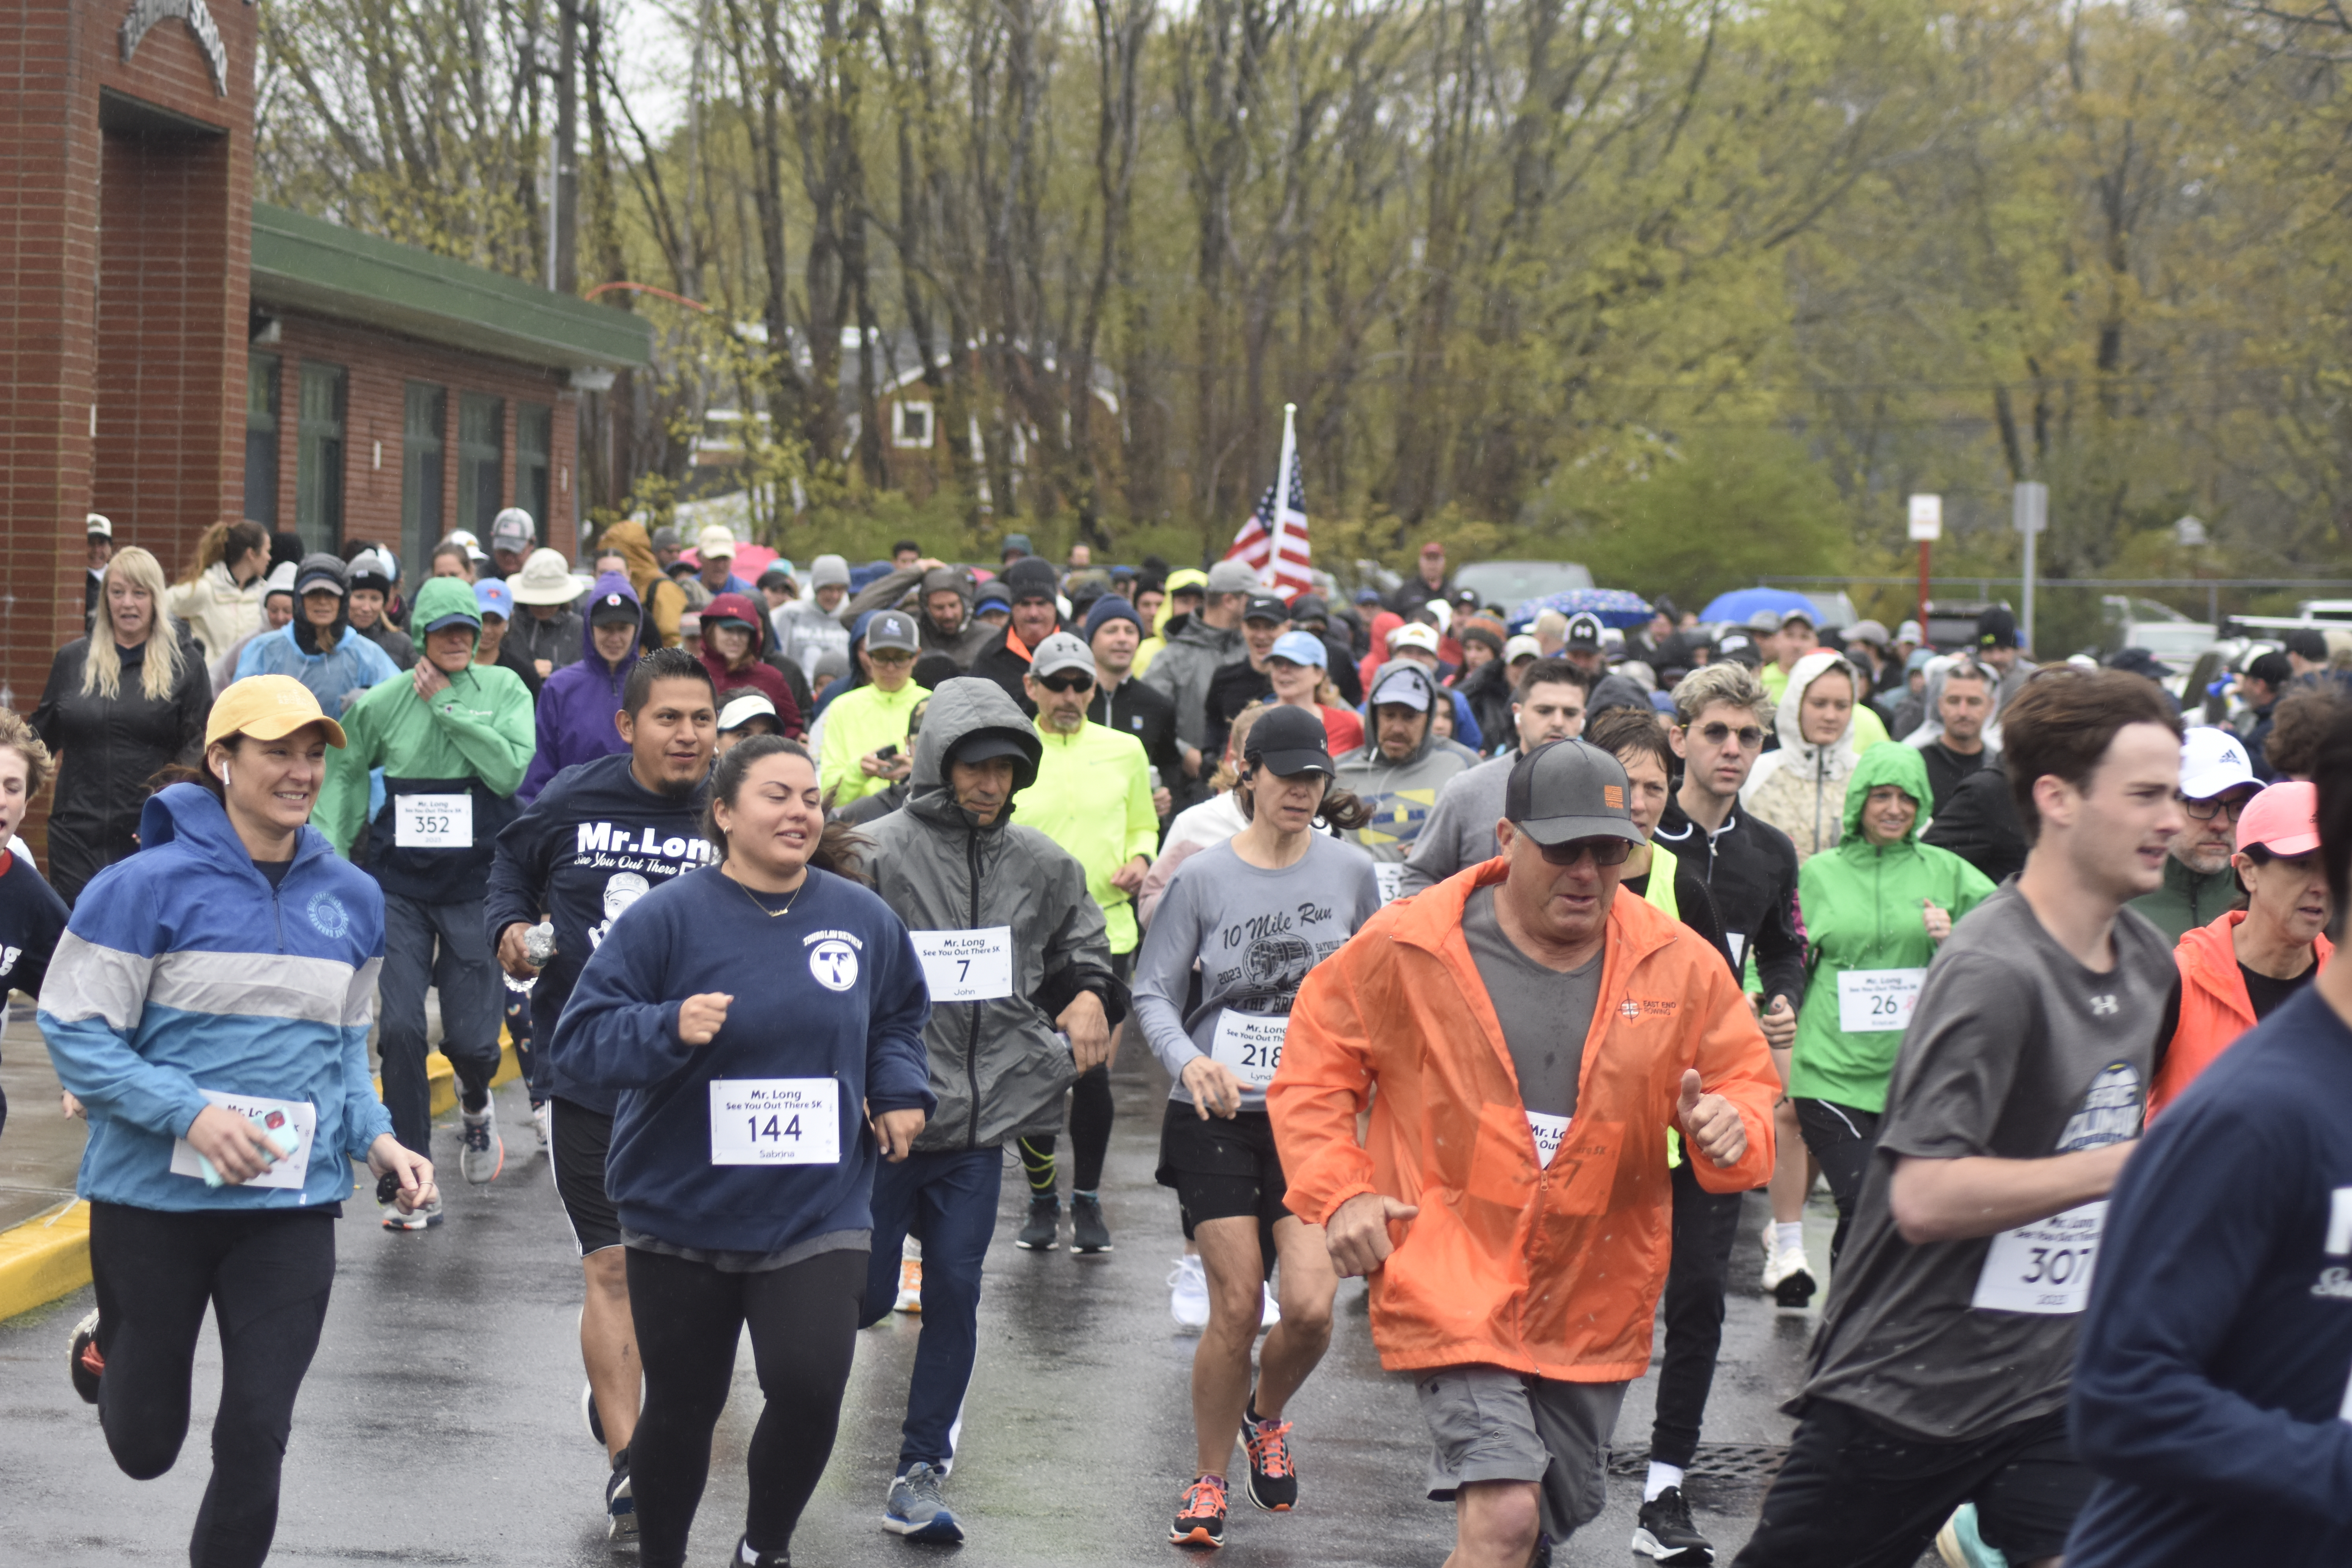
pixel 917 1511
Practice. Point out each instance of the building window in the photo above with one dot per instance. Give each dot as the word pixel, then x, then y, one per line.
pixel 261 440
pixel 422 433
pixel 910 425
pixel 534 443
pixel 481 462
pixel 319 467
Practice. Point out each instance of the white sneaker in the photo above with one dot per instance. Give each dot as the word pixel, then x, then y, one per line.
pixel 1271 1314
pixel 481 1153
pixel 543 1116
pixel 910 1286
pixel 1187 1294
pixel 1788 1279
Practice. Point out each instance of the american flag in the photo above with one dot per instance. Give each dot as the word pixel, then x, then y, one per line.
pixel 1272 542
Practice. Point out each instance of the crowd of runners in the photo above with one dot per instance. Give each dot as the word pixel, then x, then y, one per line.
pixel 1492 966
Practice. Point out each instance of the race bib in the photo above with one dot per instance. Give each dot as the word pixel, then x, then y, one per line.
pixel 1870 1000
pixel 1390 877
pixel 2044 1267
pixel 966 965
pixel 1250 1044
pixel 432 821
pixel 271 1116
pixel 775 1121
pixel 1548 1130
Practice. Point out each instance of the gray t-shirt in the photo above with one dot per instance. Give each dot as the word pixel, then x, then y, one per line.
pixel 1255 934
pixel 2015 1051
pixel 1545 1012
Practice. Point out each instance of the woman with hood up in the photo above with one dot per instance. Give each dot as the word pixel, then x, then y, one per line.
pixel 576 709
pixel 320 646
pixel 733 630
pixel 1801 788
pixel 664 600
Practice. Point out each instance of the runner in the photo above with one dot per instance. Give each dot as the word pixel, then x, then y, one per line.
pixel 601 835
pixel 2217 784
pixel 453 739
pixel 226 1079
pixel 1244 679
pixel 320 646
pixel 1801 788
pixel 865 728
pixel 32 916
pixel 743 1155
pixel 1016 955
pixel 1548 706
pixel 1400 767
pixel 219 601
pixel 1209 637
pixel 1939 1374
pixel 1255 915
pixel 1877 909
pixel 1122 701
pixel 1510 1201
pixel 1296 677
pixel 1952 744
pixel 2209 1391
pixel 2238 970
pixel 371 578
pixel 575 719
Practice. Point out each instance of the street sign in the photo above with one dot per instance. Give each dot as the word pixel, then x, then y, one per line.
pixel 2030 514
pixel 1927 518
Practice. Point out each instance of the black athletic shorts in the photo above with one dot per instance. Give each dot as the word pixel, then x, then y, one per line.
pixel 578 1142
pixel 1222 1170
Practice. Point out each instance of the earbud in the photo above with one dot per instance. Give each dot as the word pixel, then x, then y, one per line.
pixel 224 780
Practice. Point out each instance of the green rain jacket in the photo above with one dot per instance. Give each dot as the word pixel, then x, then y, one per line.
pixel 1863 909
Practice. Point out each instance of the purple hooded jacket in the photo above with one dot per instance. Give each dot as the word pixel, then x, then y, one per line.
pixel 577 704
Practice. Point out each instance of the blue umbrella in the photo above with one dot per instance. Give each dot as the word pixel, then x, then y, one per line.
pixel 1742 603
pixel 1615 607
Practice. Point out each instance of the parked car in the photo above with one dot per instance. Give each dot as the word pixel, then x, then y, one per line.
pixel 2127 621
pixel 1513 583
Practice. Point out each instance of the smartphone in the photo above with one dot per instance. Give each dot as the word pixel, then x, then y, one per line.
pixel 886 753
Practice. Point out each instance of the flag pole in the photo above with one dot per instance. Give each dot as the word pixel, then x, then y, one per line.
pixel 1271 574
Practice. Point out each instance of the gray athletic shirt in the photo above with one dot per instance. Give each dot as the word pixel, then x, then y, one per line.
pixel 1255 934
pixel 1545 1012
pixel 2016 1051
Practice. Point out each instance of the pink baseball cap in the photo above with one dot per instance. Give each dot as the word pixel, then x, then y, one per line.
pixel 2282 819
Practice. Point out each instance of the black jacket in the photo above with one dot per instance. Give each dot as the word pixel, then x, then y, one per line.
pixel 112 746
pixel 555 639
pixel 1146 714
pixel 1000 663
pixel 1232 688
pixel 1979 824
pixel 1487 689
pixel 1946 770
pixel 398 646
pixel 1750 869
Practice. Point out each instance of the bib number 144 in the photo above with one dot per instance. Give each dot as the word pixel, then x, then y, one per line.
pixel 775 1121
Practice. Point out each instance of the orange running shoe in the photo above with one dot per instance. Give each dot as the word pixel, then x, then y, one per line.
pixel 1201 1520
pixel 1273 1481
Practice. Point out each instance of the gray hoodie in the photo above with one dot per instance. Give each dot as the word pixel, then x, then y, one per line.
pixel 1182 672
pixel 998 1065
pixel 1401 794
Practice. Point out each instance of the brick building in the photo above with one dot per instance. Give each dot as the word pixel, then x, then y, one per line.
pixel 172 355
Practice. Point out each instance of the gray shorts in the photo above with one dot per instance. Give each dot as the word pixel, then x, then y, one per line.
pixel 1489 1425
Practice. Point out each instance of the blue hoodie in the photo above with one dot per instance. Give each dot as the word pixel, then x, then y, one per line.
pixel 333 678
pixel 183 970
pixel 831 990
pixel 577 704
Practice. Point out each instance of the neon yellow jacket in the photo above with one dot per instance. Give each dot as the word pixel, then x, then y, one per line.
pixel 1080 779
pixel 856 722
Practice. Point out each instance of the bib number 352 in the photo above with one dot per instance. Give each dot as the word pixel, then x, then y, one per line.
pixel 2044 1267
pixel 775 1121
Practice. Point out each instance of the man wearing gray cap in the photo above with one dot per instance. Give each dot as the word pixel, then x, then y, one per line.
pixel 807 629
pixel 1523 1039
pixel 865 749
pixel 1401 766
pixel 1182 670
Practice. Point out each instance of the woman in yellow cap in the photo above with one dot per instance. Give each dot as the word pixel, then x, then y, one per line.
pixel 208 1006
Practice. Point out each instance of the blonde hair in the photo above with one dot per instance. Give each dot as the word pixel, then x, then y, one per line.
pixel 101 667
pixel 217 544
pixel 1725 680
pixel 18 736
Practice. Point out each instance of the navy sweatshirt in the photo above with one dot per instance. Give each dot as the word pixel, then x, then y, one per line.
pixel 831 990
pixel 591 844
pixel 2218 1347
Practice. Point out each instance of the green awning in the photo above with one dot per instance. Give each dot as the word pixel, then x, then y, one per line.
pixel 305 264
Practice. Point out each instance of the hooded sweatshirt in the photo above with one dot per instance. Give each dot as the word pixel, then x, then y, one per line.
pixel 188 972
pixel 577 704
pixel 1401 793
pixel 1008 900
pixel 664 600
pixel 2215 1007
pixel 1182 672
pixel 1801 788
pixel 474 739
pixel 752 675
pixel 1865 913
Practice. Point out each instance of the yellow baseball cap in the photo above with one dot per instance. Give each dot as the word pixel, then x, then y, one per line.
pixel 267 708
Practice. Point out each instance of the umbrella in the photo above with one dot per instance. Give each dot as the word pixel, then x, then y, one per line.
pixel 1615 607
pixel 751 560
pixel 1741 603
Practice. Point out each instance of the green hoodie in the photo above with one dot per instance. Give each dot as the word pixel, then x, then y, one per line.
pixel 479 727
pixel 1862 909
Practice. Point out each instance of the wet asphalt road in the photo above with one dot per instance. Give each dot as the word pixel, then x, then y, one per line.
pixel 440 1425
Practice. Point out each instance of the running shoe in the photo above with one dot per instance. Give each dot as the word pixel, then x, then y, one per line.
pixel 1201 1520
pixel 83 1362
pixel 1187 1293
pixel 542 1117
pixel 422 1218
pixel 1665 1532
pixel 1044 1219
pixel 1273 1481
pixel 1788 1279
pixel 588 1416
pixel 743 1553
pixel 1959 1545
pixel 917 1511
pixel 910 1286
pixel 1087 1231
pixel 620 1506
pixel 481 1153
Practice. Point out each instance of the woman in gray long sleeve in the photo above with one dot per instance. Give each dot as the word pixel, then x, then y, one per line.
pixel 1254 914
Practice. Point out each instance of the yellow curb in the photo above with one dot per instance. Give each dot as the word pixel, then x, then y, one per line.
pixel 43 1259
pixel 443 1077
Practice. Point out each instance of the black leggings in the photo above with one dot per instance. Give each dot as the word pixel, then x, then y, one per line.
pixel 266 1273
pixel 803 1321
pixel 1842 1139
pixel 1090 1116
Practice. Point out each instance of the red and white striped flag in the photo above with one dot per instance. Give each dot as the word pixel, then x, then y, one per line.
pixel 1272 542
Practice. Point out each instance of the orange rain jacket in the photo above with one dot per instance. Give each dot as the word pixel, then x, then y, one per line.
pixel 1554 1272
pixel 2214 1006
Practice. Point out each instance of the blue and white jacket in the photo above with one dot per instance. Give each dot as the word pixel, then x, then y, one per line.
pixel 183 970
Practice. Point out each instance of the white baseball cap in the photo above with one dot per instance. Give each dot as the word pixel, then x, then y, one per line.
pixel 715 540
pixel 1413 633
pixel 2212 760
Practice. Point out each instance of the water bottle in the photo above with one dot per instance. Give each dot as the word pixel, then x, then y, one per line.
pixel 539 943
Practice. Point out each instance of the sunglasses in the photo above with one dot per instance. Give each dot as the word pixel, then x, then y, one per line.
pixel 1075 681
pixel 1750 738
pixel 2207 810
pixel 891 656
pixel 1604 851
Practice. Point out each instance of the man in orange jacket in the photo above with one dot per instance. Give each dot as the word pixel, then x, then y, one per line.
pixel 1531 1037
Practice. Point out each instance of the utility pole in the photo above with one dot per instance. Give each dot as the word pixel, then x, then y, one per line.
pixel 2031 515
pixel 1927 527
pixel 563 211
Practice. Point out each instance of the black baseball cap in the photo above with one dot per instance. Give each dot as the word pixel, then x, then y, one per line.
pixel 612 610
pixel 1996 627
pixel 1567 790
pixel 1022 745
pixel 1266 607
pixel 1583 633
pixel 1288 742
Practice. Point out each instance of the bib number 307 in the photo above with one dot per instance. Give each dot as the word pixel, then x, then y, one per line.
pixel 2044 1267
pixel 775 1121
